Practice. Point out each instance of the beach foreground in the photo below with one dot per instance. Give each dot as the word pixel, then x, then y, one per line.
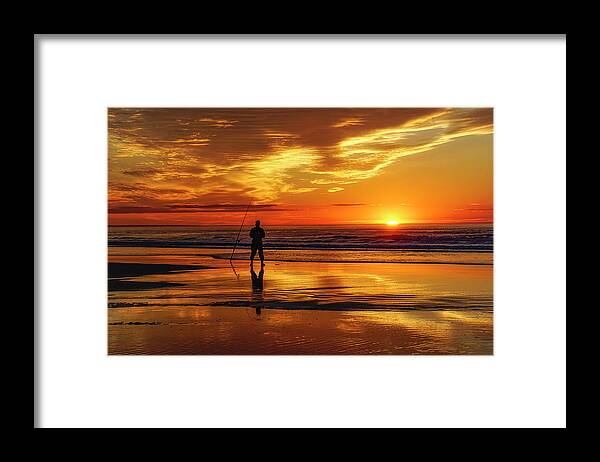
pixel 192 302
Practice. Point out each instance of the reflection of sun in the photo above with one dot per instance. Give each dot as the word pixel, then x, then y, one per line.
pixel 392 223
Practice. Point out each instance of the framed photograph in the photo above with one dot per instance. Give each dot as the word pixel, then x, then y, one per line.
pixel 300 231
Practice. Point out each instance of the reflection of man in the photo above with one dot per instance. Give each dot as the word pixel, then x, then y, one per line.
pixel 257 234
pixel 257 280
pixel 257 288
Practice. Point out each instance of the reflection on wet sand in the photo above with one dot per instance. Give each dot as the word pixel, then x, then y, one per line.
pixel 257 288
pixel 307 308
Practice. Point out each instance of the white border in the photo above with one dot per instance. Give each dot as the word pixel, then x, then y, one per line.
pixel 523 384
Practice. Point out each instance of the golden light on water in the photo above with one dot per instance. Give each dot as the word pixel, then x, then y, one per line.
pixel 163 323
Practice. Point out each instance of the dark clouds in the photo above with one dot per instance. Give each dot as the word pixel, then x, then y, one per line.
pixel 187 208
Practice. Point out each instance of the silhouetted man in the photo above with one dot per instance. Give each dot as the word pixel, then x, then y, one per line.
pixel 257 234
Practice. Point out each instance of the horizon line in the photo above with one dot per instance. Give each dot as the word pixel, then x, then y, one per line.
pixel 310 224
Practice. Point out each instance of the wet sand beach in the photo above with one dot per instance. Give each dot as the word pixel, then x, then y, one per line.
pixel 191 301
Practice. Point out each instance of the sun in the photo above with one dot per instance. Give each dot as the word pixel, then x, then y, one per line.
pixel 392 223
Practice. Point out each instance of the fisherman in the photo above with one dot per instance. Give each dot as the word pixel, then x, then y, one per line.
pixel 257 234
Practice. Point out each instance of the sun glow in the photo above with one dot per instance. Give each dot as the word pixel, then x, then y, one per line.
pixel 392 223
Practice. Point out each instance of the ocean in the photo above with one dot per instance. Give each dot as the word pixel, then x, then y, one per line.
pixel 414 243
pixel 409 289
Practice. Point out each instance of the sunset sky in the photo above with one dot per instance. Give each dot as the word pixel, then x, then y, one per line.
pixel 300 166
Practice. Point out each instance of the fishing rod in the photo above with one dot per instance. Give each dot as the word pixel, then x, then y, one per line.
pixel 237 239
